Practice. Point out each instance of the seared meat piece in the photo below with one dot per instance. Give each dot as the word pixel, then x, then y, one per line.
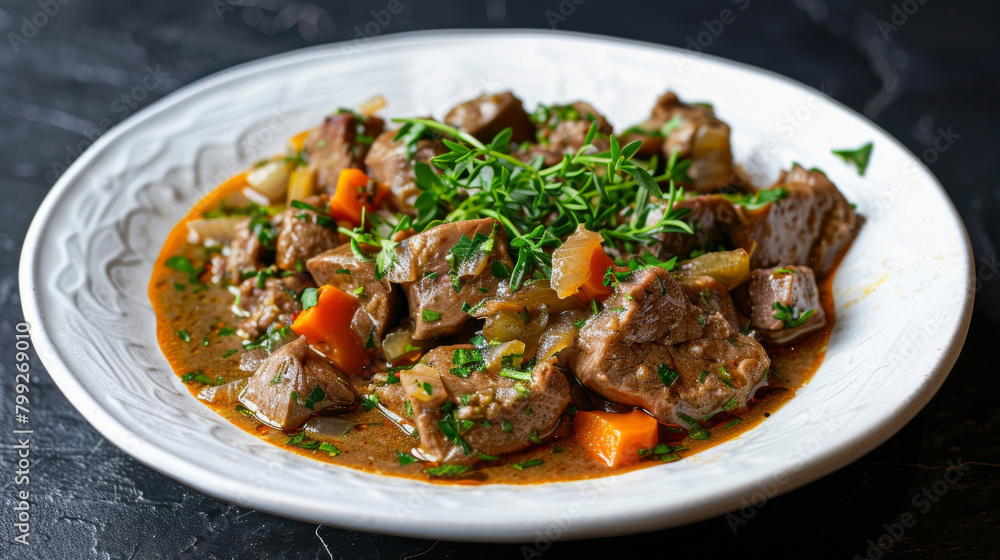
pixel 485 116
pixel 566 129
pixel 292 384
pixel 794 289
pixel 391 164
pixel 379 299
pixel 436 292
pixel 812 226
pixel 334 146
pixel 707 215
pixel 278 300
pixel 648 348
pixel 694 132
pixel 711 296
pixel 301 235
pixel 499 415
pixel 246 252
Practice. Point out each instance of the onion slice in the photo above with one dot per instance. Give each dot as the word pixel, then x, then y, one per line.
pixel 571 261
pixel 729 267
pixel 423 383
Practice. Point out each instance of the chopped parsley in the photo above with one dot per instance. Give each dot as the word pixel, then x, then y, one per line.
pixel 859 157
pixel 405 458
pixel 662 452
pixel 695 431
pixel 314 396
pixel 466 360
pixel 199 377
pixel 666 374
pixel 183 335
pixel 528 464
pixel 183 264
pixel 370 401
pixel 310 297
pixel 790 316
pixel 429 315
pixel 331 449
pixel 448 470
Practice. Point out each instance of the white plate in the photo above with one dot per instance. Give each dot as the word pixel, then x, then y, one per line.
pixel 904 293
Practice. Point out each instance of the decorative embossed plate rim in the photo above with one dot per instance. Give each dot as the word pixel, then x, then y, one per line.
pixel 904 292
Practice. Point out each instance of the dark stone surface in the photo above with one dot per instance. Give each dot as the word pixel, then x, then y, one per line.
pixel 939 68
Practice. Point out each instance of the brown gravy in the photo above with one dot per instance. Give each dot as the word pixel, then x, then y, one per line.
pixel 372 448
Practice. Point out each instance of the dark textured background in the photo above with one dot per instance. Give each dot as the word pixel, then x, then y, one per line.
pixel 938 69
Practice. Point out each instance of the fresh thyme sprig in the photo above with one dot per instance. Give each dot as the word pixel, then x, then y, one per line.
pixel 608 192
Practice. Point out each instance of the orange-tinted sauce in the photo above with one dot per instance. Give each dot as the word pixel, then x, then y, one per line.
pixel 373 445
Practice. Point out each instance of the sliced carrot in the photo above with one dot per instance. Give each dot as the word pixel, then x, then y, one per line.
pixel 353 195
pixel 233 183
pixel 298 141
pixel 614 438
pixel 327 327
pixel 593 287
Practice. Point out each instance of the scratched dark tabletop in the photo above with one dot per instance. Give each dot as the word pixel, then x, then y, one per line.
pixel 925 71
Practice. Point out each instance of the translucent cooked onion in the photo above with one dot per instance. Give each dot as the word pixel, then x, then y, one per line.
pixel 372 106
pixel 223 395
pixel 399 345
pixel 571 261
pixel 268 183
pixel 506 326
pixel 557 336
pixel 213 231
pixel 493 355
pixel 729 267
pixel 301 184
pixel 529 297
pixel 423 383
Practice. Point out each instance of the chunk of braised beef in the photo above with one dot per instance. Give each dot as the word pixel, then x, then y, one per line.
pixel 246 252
pixel 566 129
pixel 341 142
pixel 391 164
pixel 652 348
pixel 378 298
pixel 706 216
pixel 812 226
pixel 711 297
pixel 491 414
pixel 485 116
pixel 446 270
pixel 292 384
pixel 693 131
pixel 784 303
pixel 304 233
pixel 276 301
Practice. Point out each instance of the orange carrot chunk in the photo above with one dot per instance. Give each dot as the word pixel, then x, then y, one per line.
pixel 327 327
pixel 353 195
pixel 615 438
